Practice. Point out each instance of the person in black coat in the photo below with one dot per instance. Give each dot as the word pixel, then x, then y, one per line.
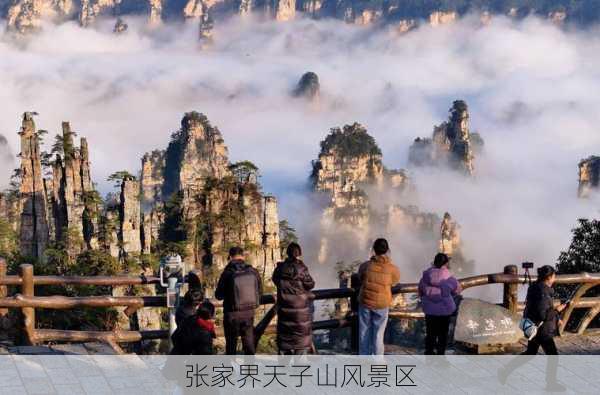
pixel 195 335
pixel 294 303
pixel 237 323
pixel 539 308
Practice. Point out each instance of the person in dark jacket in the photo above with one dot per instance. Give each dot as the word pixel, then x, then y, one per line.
pixel 294 313
pixel 437 290
pixel 191 301
pixel 237 321
pixel 194 336
pixel 539 308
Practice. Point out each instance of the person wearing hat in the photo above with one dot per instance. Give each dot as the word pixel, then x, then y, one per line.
pixel 437 289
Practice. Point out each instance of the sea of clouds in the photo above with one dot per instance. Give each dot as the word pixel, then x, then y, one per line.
pixel 532 91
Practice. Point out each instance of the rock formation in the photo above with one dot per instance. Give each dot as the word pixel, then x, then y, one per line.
pixel 74 200
pixel 220 202
pixel 452 144
pixel 34 233
pixel 589 176
pixel 91 9
pixel 156 8
pixel 450 236
pixel 130 217
pixel 189 197
pixel 26 15
pixel 120 26
pixel 205 29
pixel 308 86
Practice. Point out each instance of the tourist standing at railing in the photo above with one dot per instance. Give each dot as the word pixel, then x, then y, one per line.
pixel 294 298
pixel 377 276
pixel 195 334
pixel 438 290
pixel 191 301
pixel 240 288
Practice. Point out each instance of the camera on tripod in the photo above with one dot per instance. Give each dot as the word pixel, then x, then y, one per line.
pixel 527 265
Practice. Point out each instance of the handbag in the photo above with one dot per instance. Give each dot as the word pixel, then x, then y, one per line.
pixel 528 327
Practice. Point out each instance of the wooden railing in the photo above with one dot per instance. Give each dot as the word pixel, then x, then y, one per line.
pixel 27 302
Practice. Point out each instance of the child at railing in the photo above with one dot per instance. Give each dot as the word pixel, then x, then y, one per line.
pixel 195 335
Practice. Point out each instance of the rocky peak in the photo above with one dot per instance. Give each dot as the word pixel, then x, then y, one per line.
pixel 349 156
pixel 451 145
pixel 91 9
pixel 589 175
pixel 25 16
pixel 284 10
pixel 34 232
pixel 196 151
pixel 152 179
pixel 120 26
pixel 130 217
pixel 156 8
pixel 308 86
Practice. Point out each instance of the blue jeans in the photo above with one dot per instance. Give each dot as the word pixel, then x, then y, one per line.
pixel 371 328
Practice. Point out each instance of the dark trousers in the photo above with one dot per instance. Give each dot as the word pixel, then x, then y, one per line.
pixel 547 345
pixel 436 334
pixel 239 327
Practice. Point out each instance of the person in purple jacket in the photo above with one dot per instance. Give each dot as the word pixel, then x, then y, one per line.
pixel 437 290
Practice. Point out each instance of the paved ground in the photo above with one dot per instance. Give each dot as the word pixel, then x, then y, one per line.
pixel 568 345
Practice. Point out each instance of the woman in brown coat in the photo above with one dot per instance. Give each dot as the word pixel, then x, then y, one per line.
pixel 294 299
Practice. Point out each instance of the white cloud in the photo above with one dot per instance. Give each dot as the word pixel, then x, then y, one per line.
pixel 531 88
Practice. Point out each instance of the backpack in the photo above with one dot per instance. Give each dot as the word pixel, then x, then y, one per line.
pixel 245 290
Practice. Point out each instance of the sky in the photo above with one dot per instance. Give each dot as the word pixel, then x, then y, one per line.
pixel 530 86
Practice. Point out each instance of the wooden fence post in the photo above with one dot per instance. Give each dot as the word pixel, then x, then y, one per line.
pixel 28 313
pixel 511 291
pixel 3 288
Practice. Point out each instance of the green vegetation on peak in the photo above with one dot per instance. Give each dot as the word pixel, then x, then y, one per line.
pixel 351 140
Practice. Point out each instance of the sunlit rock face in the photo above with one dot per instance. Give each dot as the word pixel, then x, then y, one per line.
pixel 589 176
pixel 34 232
pixel 25 16
pixel 452 144
pixel 193 182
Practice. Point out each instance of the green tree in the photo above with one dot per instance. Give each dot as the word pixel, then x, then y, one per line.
pixel 118 176
pixel 583 255
pixel 287 235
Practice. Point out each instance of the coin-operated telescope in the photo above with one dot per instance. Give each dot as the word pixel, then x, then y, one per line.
pixel 172 275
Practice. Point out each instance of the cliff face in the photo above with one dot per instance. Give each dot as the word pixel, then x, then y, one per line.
pixel 26 15
pixel 365 200
pixel 451 145
pixel 130 217
pixel 192 185
pixel 189 197
pixel 350 174
pixel 74 200
pixel 34 232
pixel 589 176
